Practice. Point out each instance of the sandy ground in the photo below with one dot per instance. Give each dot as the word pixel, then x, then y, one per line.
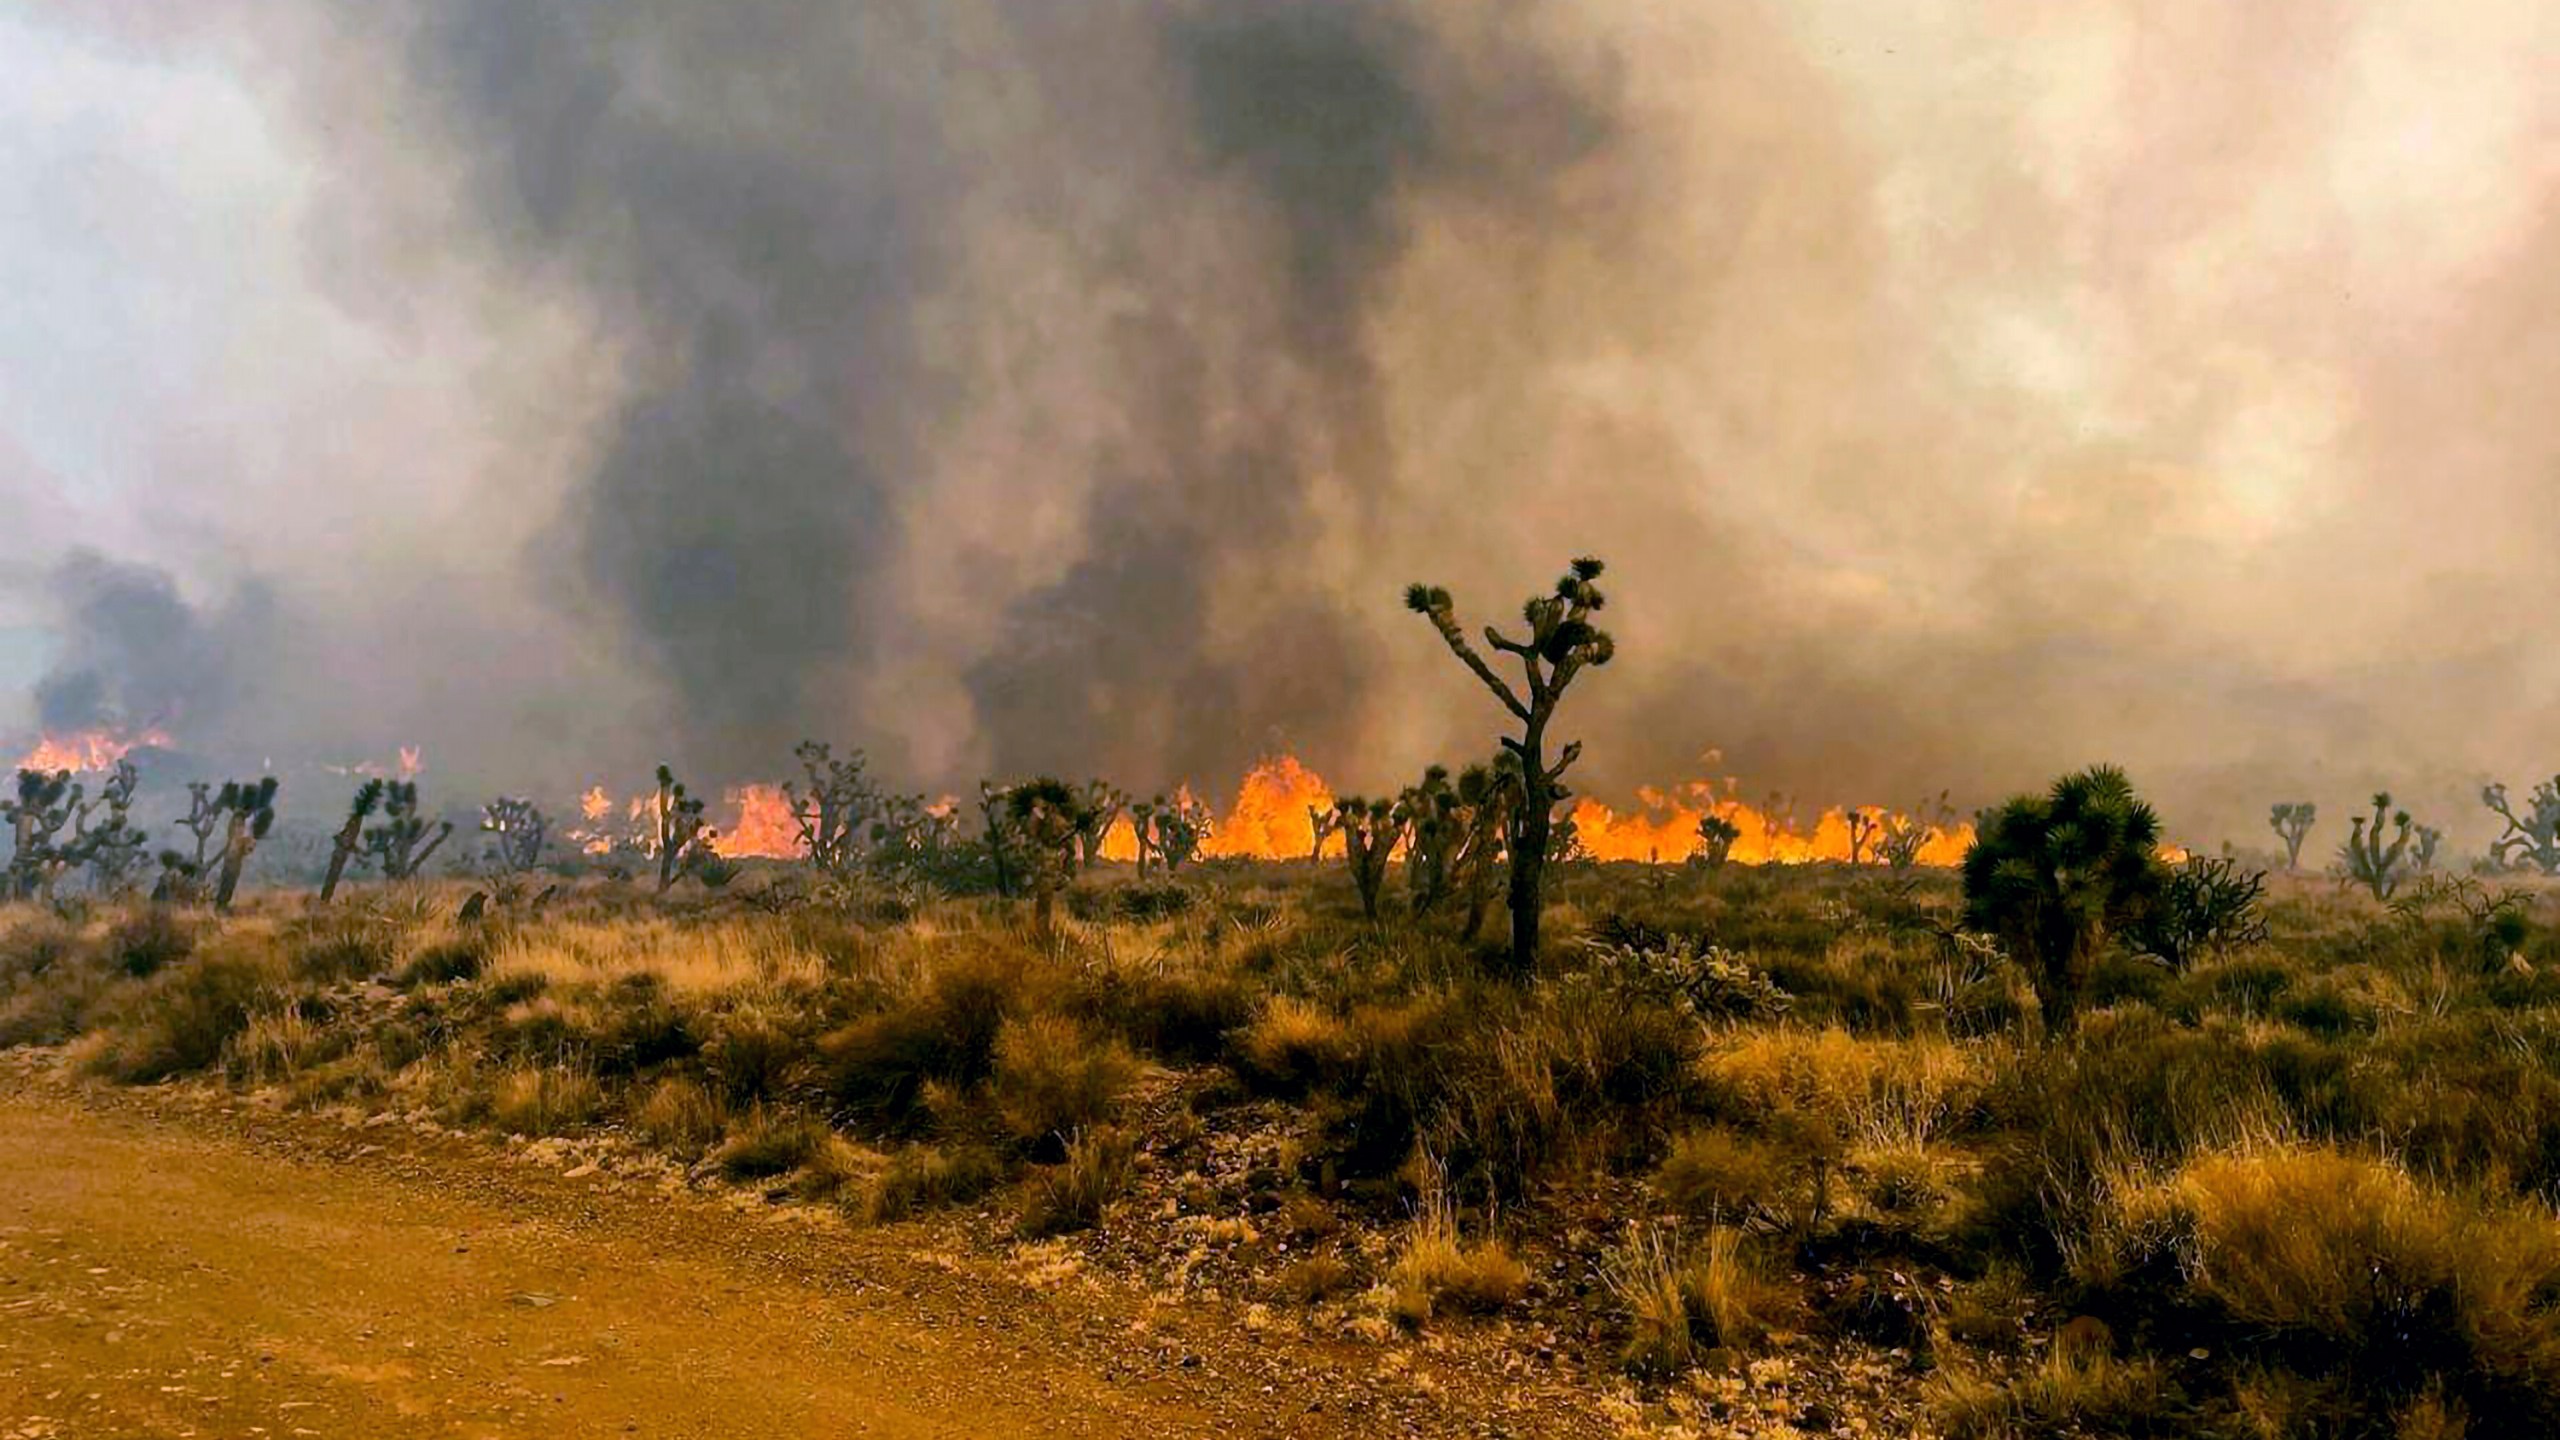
pixel 171 1274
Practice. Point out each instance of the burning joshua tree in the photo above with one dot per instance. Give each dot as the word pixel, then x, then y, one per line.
pixel 1560 644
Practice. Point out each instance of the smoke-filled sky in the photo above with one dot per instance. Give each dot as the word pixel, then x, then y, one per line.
pixel 1959 392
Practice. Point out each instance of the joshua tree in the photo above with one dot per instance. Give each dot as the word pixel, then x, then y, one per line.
pixel 1905 836
pixel 405 839
pixel 2292 823
pixel 2533 838
pixel 1321 825
pixel 1561 642
pixel 1048 814
pixel 241 812
pixel 2370 862
pixel 350 837
pixel 1716 835
pixel 1863 827
pixel 112 850
pixel 2422 855
pixel 517 831
pixel 1170 830
pixel 1370 830
pixel 837 809
pixel 2054 875
pixel 1428 815
pixel 45 802
pixel 992 803
pixel 683 839
pixel 1103 803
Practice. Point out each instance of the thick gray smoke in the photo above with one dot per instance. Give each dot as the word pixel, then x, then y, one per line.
pixel 1008 387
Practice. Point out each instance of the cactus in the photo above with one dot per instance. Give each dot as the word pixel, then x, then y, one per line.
pixel 2533 838
pixel 1560 643
pixel 1370 831
pixel 2422 855
pixel 405 839
pixel 1716 835
pixel 350 837
pixel 517 831
pixel 2053 876
pixel 1048 815
pixel 2369 861
pixel 682 839
pixel 2292 822
pixel 1428 814
pixel 45 802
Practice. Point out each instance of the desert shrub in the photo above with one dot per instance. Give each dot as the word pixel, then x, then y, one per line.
pixel 148 941
pixel 753 1051
pixel 180 1020
pixel 53 1011
pixel 445 962
pixel 924 1177
pixel 545 1100
pixel 764 1143
pixel 1720 1173
pixel 1704 979
pixel 1310 1279
pixel 1182 1014
pixel 638 1024
pixel 875 1069
pixel 1052 1076
pixel 1072 1194
pixel 278 1044
pixel 1683 1300
pixel 2205 906
pixel 2074 1389
pixel 682 1115
pixel 1293 1045
pixel 2344 1264
pixel 1437 1268
pixel 35 946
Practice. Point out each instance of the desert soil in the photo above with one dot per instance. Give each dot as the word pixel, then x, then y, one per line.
pixel 178 1264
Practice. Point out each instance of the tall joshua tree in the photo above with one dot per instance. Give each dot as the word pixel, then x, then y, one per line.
pixel 248 812
pixel 405 839
pixel 517 830
pixel 44 803
pixel 1370 830
pixel 1716 835
pixel 683 838
pixel 1321 825
pixel 112 849
pixel 1048 814
pixel 1103 803
pixel 2377 866
pixel 2292 823
pixel 1560 643
pixel 2533 838
pixel 349 840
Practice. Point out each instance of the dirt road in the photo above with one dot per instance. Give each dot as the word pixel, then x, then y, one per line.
pixel 167 1276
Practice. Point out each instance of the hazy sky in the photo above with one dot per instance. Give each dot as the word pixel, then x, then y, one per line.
pixel 1959 391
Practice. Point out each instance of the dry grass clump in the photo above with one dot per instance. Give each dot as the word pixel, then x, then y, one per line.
pixel 681 1115
pixel 941 1028
pixel 1312 1279
pixel 1294 1045
pixel 689 959
pixel 2073 1389
pixel 183 1018
pixel 918 1178
pixel 538 1100
pixel 1437 1268
pixel 755 1050
pixel 1052 1077
pixel 1683 1300
pixel 1072 1194
pixel 764 1143
pixel 1719 1172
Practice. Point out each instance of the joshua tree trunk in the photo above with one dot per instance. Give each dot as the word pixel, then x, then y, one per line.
pixel 340 849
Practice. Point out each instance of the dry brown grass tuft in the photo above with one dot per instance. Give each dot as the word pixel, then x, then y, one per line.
pixel 1053 1077
pixel 1437 1268
pixel 545 1100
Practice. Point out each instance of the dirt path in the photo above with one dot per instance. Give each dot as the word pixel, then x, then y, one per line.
pixel 161 1275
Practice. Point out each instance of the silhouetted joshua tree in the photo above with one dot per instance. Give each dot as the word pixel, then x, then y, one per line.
pixel 835 809
pixel 1048 814
pixel 517 831
pixel 1560 643
pixel 2371 863
pixel 2533 838
pixel 405 839
pixel 2292 823
pixel 349 840
pixel 682 839
pixel 1322 824
pixel 1716 835
pixel 1370 830
pixel 45 802
pixel 111 850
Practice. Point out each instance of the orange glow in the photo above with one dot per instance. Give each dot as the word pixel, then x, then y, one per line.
pixel 86 750
pixel 1663 829
pixel 412 760
pixel 764 828
pixel 1269 819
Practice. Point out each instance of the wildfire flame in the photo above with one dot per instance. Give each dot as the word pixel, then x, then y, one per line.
pixel 86 750
pixel 764 828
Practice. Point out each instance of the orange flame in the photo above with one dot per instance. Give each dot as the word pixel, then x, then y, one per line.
pixel 1663 829
pixel 86 750
pixel 1269 820
pixel 764 828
